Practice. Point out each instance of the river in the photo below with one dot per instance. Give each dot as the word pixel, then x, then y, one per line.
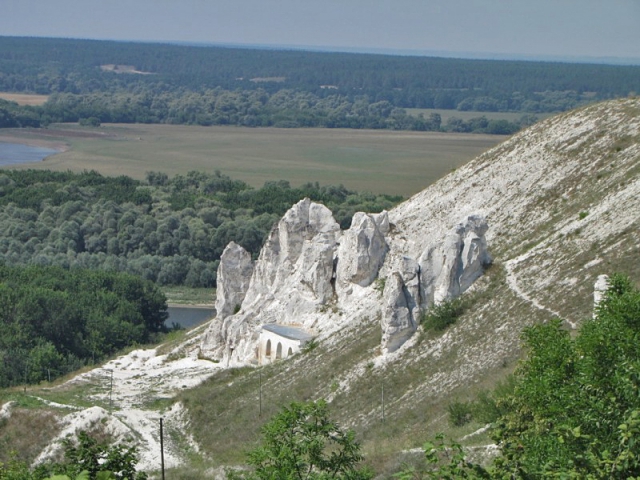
pixel 188 317
pixel 16 153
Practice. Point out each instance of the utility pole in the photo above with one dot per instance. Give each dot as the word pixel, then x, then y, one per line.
pixel 111 394
pixel 383 403
pixel 260 396
pixel 161 449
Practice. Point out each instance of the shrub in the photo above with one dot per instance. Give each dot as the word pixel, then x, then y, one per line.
pixel 460 413
pixel 440 316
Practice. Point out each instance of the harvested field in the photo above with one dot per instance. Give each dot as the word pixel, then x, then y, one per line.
pixel 24 98
pixel 381 161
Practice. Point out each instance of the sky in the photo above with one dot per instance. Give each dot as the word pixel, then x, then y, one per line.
pixel 562 29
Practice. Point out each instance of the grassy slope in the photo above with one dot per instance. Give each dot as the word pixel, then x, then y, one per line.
pixel 378 161
pixel 559 256
pixel 554 259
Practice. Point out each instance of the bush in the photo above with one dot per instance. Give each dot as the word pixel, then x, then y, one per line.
pixel 460 413
pixel 302 442
pixel 440 316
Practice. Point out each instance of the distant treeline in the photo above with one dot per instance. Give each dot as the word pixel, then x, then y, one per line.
pixel 256 108
pixel 216 85
pixel 169 231
pixel 55 321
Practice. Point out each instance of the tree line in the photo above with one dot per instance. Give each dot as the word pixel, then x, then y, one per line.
pixel 171 231
pixel 257 108
pixel 55 320
pixel 50 65
pixel 252 87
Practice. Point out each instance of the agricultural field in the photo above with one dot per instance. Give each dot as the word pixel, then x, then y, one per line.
pixel 468 115
pixel 24 98
pixel 379 161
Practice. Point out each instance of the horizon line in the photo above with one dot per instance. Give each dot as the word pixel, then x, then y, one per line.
pixel 406 52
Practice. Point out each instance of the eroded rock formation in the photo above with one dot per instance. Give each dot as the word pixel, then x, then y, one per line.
pixel 234 274
pixel 444 270
pixel 309 273
pixel 362 250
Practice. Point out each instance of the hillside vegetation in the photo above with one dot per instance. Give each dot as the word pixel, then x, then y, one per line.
pixel 169 231
pixel 562 200
pixel 56 321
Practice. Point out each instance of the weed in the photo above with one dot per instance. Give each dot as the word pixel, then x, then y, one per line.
pixel 460 413
pixel 310 346
pixel 379 284
pixel 440 316
pixel 583 215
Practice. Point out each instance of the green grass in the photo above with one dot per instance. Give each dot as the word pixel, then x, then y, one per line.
pixel 447 114
pixel 180 295
pixel 379 161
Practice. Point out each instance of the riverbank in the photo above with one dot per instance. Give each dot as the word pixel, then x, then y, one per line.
pixel 29 138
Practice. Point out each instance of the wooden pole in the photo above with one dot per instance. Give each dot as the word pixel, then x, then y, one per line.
pixel 111 394
pixel 260 414
pixel 161 449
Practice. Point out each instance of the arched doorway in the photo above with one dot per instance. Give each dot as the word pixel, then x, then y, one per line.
pixel 290 352
pixel 267 352
pixel 279 351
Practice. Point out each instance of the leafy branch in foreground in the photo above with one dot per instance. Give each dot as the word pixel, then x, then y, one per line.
pixel 575 407
pixel 301 442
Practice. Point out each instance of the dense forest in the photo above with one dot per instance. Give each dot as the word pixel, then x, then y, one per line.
pixel 171 231
pixel 55 321
pixel 102 81
pixel 283 109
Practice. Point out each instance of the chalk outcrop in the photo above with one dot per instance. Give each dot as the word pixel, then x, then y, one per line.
pixel 309 274
pixel 234 274
pixel 292 277
pixel 599 291
pixel 362 250
pixel 445 270
pixel 449 268
pixel 398 321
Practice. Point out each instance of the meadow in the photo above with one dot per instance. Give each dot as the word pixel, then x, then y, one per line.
pixel 380 161
pixel 468 115
pixel 24 98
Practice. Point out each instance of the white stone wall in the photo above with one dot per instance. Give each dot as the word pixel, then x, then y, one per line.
pixel 272 346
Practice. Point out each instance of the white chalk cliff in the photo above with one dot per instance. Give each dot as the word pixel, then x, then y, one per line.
pixel 312 275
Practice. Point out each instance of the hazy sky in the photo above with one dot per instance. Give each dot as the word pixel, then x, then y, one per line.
pixel 564 28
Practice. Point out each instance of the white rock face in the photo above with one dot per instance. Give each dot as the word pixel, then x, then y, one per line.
pixel 309 272
pixel 449 268
pixel 599 289
pixel 446 269
pixel 398 323
pixel 362 250
pixel 234 274
pixel 291 279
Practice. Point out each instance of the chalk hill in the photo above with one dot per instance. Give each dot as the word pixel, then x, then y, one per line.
pixel 522 232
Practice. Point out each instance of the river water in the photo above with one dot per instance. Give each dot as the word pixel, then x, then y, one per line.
pixel 16 153
pixel 188 317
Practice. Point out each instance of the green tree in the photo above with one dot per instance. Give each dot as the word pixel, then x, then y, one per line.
pixel 301 442
pixel 574 411
pixel 90 459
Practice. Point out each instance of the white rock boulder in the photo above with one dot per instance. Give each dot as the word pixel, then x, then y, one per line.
pixel 362 250
pixel 234 275
pixel 398 323
pixel 450 267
